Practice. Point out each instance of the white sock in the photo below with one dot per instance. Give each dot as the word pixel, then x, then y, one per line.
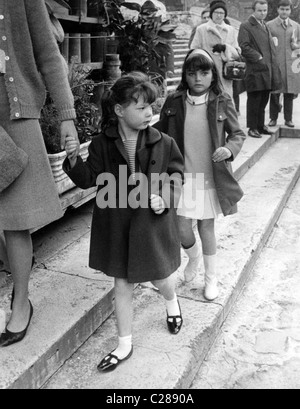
pixel 124 348
pixel 173 307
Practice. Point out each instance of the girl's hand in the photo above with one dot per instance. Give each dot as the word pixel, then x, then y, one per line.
pixel 72 149
pixel 157 204
pixel 221 154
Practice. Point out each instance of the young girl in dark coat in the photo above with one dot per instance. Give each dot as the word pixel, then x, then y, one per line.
pixel 202 119
pixel 136 242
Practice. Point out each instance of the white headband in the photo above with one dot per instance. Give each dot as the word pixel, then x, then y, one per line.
pixel 201 52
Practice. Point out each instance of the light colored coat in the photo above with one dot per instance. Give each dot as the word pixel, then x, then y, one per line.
pixel 207 36
pixel 286 56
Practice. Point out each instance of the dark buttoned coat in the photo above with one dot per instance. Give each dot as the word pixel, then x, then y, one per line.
pixel 258 49
pixel 133 243
pixel 225 132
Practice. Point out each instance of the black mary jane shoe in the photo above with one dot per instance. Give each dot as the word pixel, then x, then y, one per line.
pixel 173 325
pixel 111 362
pixel 9 338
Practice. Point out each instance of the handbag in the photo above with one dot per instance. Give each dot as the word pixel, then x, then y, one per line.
pixel 235 70
pixel 13 160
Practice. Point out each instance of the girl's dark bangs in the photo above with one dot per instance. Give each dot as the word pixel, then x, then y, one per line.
pixel 199 63
pixel 147 90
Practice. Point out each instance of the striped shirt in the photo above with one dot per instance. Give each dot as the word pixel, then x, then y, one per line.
pixel 130 147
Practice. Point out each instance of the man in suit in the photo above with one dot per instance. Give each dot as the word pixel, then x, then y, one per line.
pixel 263 74
pixel 286 36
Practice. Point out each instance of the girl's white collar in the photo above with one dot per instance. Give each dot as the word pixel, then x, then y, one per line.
pixel 197 100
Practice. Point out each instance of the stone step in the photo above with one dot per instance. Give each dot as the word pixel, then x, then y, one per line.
pixel 179 57
pixel 65 319
pixel 173 81
pixel 178 64
pixel 181 51
pixel 159 359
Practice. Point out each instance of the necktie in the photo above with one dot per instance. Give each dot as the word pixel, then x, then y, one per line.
pixel 285 26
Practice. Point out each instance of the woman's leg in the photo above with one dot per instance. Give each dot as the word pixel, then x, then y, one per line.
pixel 209 245
pixel 124 314
pixel 19 252
pixel 190 245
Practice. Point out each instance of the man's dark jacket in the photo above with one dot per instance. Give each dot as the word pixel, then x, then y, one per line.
pixel 256 42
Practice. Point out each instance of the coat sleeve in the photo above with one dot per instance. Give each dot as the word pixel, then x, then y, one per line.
pixel 49 61
pixel 197 41
pixel 236 137
pixel 85 174
pixel 172 188
pixel 163 124
pixel 248 52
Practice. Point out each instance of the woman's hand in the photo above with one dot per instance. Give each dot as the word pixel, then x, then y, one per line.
pixel 219 48
pixel 68 129
pixel 72 150
pixel 221 154
pixel 157 204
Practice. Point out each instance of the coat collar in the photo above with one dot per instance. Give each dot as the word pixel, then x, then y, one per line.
pixel 152 136
pixel 279 21
pixel 253 21
pixel 212 26
pixel 183 94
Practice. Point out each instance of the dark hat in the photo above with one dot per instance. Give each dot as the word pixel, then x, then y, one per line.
pixel 218 4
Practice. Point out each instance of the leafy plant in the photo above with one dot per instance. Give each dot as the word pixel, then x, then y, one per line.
pixel 143 42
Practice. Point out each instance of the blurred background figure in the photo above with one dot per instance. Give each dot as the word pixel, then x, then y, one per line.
pixel 286 36
pixel 205 17
pixel 218 38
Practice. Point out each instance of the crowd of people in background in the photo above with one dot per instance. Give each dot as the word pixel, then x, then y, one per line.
pixel 269 50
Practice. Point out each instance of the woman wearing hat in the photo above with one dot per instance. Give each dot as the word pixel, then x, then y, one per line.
pixel 30 61
pixel 218 38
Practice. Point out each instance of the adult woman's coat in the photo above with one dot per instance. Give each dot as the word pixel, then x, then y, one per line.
pixel 286 56
pixel 207 36
pixel 133 244
pixel 258 48
pixel 225 131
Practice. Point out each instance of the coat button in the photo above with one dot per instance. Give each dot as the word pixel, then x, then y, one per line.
pixel 153 162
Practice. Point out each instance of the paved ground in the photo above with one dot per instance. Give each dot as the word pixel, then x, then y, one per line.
pixel 259 345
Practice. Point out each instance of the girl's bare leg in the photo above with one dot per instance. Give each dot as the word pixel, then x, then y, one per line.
pixel 124 314
pixel 209 244
pixel 191 247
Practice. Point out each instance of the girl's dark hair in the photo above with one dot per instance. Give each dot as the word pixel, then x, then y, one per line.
pixel 126 90
pixel 285 3
pixel 200 63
